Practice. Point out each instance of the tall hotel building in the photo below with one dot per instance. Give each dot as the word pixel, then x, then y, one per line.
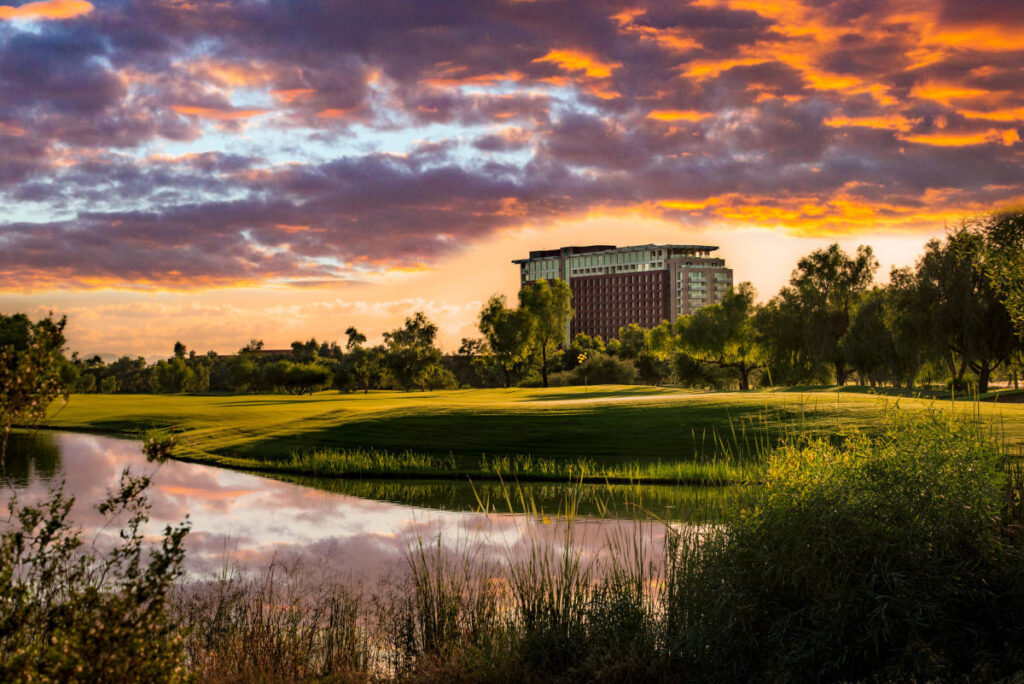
pixel 645 284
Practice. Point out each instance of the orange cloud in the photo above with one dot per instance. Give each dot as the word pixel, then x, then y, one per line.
pixel 218 114
pixel 288 228
pixel 332 113
pixel 11 129
pixel 964 138
pixel 575 60
pixel 843 213
pixel 46 9
pixel 894 122
pixel 677 115
pixel 451 77
pixel 292 94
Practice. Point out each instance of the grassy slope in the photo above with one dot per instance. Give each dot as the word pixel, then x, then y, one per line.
pixel 610 426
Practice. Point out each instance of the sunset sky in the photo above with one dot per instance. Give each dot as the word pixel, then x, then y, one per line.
pixel 215 171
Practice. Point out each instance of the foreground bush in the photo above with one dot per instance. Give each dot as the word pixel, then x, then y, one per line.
pixel 71 614
pixel 879 558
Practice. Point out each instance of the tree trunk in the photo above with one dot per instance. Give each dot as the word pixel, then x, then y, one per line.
pixel 744 377
pixel 984 372
pixel 1015 380
pixel 840 373
pixel 544 363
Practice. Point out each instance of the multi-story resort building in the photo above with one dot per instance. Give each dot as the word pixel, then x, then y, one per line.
pixel 645 284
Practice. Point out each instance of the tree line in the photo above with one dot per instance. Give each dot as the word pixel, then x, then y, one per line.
pixel 956 318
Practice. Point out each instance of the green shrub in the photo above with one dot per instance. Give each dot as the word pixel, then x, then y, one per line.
pixel 71 614
pixel 879 557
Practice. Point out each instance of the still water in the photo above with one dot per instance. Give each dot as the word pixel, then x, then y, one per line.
pixel 359 528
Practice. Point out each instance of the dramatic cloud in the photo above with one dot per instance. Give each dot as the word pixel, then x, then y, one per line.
pixel 174 144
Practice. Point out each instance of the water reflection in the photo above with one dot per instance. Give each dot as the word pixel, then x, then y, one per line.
pixel 356 528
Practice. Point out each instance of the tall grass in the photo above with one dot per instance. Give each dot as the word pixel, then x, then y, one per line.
pixel 373 463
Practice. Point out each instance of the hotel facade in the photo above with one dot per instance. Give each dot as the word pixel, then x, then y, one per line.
pixel 644 284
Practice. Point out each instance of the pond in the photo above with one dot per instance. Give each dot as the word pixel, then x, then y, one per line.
pixel 359 528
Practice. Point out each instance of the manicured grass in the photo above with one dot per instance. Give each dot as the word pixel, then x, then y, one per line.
pixel 619 432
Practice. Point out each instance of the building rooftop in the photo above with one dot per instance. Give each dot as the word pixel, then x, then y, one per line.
pixel 598 249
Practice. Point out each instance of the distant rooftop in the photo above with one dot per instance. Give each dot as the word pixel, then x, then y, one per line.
pixel 598 249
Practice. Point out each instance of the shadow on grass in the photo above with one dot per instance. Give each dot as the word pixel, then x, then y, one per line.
pixel 577 392
pixel 629 433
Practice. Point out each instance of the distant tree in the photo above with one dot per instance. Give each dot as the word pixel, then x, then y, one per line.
pixel 723 334
pixel 411 352
pixel 601 369
pixel 827 285
pixel 367 367
pixel 305 352
pixel 780 329
pixel 175 376
pixel 633 341
pixel 967 314
pixel 254 346
pixel 549 306
pixel 132 374
pixel 868 343
pixel 302 377
pixel 110 385
pixel 651 369
pixel 582 344
pixel 355 339
pixel 180 350
pixel 508 333
pixel 85 384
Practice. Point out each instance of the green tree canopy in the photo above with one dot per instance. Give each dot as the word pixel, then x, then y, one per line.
pixel 411 352
pixel 723 334
pixel 549 306
pixel 968 318
pixel 508 333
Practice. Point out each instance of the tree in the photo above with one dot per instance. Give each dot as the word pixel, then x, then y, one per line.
pixel 31 360
pixel 779 325
pixel 723 334
pixel 968 319
pixel 826 286
pixel 508 333
pixel 411 352
pixel 180 350
pixel 632 341
pixel 582 345
pixel 367 366
pixel 548 304
pixel 1005 233
pixel 174 377
pixel 356 339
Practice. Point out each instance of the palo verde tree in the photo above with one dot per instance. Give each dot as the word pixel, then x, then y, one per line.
pixel 508 333
pixel 548 303
pixel 722 335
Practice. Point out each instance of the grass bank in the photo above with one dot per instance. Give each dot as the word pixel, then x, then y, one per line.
pixel 610 433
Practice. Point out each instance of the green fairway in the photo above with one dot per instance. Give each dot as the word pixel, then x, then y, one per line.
pixel 627 432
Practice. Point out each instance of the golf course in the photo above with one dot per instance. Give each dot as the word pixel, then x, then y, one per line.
pixel 605 433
